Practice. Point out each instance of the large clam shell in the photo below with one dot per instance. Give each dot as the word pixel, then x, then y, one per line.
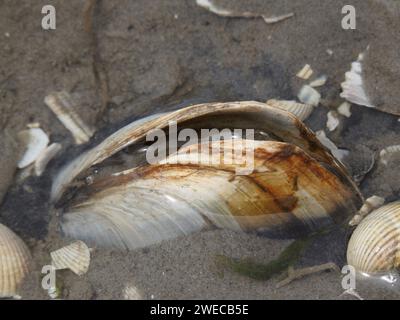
pixel 75 256
pixel 14 262
pixel 288 194
pixel 374 246
pixel 248 114
pixel 296 186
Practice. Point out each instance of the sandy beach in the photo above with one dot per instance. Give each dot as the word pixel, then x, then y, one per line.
pixel 143 57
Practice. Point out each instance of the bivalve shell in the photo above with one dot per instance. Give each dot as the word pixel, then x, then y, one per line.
pixel 14 262
pixel 290 186
pixel 374 246
pixel 75 257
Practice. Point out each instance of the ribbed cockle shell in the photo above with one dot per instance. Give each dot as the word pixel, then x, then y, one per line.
pixel 14 262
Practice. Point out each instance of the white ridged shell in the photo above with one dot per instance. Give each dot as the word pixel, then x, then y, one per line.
pixel 75 257
pixel 374 246
pixel 14 262
pixel 387 153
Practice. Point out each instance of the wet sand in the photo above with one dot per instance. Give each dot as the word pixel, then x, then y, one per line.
pixel 159 55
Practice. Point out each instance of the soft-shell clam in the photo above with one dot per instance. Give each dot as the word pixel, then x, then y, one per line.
pixel 374 246
pixel 296 186
pixel 14 262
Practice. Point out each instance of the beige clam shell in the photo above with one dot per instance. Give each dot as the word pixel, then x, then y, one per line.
pixel 75 256
pixel 244 114
pixel 287 194
pixel 14 262
pixel 374 246
pixel 296 187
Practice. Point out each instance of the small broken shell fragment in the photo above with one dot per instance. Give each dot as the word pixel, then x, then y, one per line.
pixel 333 120
pixel 75 256
pixel 345 109
pixel 35 141
pixel 210 6
pixel 275 19
pixel 14 262
pixel 309 95
pixel 64 108
pixel 387 153
pixel 369 205
pixel 305 73
pixel 45 157
pixel 300 110
pixel 374 246
pixel 130 292
pixel 319 82
pixel 339 154
pixel 353 86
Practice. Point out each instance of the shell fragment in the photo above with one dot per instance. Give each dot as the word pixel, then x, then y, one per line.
pixel 309 95
pixel 75 257
pixel 36 141
pixel 305 73
pixel 64 108
pixel 300 110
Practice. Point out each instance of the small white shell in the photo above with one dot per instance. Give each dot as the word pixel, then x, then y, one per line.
pixel 374 246
pixel 36 141
pixel 300 110
pixel 207 4
pixel 14 262
pixel 333 121
pixel 309 95
pixel 319 82
pixel 305 73
pixel 275 19
pixel 388 152
pixel 353 86
pixel 345 109
pixel 369 205
pixel 62 105
pixel 339 154
pixel 44 158
pixel 75 257
pixel 210 6
pixel 131 293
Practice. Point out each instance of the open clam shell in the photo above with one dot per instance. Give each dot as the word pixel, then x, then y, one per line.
pixel 75 256
pixel 14 262
pixel 295 186
pixel 374 246
pixel 249 114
